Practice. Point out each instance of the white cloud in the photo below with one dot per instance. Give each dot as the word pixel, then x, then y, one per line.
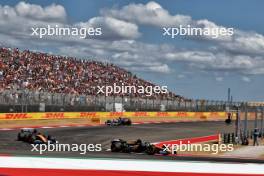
pixel 16 22
pixel 154 14
pixel 149 14
pixel 52 12
pixel 221 61
pixel 157 67
pixel 133 55
pixel 246 79
pixel 113 28
pixel 245 42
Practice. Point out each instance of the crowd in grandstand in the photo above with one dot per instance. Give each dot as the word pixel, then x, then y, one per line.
pixel 59 74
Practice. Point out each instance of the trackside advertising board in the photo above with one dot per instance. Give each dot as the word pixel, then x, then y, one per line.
pixel 65 115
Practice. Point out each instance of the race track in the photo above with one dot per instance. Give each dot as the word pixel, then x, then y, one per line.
pixel 104 134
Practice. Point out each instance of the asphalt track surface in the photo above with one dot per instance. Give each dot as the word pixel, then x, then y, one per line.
pixel 104 134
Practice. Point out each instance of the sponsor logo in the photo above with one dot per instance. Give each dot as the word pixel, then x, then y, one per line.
pixel 87 114
pixel 116 114
pixel 163 114
pixel 141 114
pixel 54 115
pixel 17 116
pixel 182 114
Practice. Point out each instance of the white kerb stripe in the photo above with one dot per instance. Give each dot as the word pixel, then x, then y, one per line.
pixel 131 165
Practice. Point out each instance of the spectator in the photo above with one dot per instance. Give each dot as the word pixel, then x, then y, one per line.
pixel 59 74
pixel 255 137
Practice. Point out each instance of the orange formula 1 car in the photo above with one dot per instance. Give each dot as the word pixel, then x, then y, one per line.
pixel 33 136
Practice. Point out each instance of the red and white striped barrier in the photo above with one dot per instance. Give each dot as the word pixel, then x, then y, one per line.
pixel 23 166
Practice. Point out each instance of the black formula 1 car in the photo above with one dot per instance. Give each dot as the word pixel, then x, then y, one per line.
pixel 137 146
pixel 33 136
pixel 119 122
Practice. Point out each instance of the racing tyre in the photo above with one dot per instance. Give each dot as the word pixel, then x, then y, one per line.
pixel 51 139
pixel 129 122
pixel 150 149
pixel 32 139
pixel 116 146
pixel 108 122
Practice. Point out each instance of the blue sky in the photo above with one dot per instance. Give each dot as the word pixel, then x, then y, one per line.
pixel 203 69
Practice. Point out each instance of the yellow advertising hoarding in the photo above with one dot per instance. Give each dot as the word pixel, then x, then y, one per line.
pixel 68 115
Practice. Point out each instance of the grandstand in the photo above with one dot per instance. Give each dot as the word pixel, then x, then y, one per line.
pixel 61 79
pixel 57 74
pixel 34 81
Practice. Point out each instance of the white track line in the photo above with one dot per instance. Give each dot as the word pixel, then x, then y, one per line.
pixel 47 127
pixel 5 129
pixel 131 165
pixel 63 126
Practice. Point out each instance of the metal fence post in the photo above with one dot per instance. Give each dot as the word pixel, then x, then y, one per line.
pixel 246 120
pixel 262 118
pixel 256 119
pixel 237 125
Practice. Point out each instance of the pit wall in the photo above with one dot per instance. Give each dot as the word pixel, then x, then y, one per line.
pixel 100 117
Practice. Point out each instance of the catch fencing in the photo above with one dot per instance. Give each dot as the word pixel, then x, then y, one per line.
pixel 39 101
